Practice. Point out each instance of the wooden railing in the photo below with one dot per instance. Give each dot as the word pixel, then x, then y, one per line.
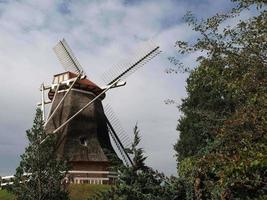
pixel 109 175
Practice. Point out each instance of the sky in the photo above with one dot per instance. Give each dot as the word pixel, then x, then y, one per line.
pixel 101 33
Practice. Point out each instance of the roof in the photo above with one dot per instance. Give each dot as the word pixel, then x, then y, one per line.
pixel 83 84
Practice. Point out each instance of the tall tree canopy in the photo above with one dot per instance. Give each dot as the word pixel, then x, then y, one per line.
pixel 222 151
pixel 40 174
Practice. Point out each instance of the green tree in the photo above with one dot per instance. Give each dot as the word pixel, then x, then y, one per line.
pixel 222 149
pixel 140 182
pixel 40 174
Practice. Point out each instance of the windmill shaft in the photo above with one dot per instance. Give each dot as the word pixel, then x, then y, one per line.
pixel 135 64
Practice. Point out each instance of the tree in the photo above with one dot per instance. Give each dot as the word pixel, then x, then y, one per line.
pixel 40 174
pixel 140 182
pixel 223 132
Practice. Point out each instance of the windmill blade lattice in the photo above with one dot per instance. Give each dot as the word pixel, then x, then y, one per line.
pixel 120 138
pixel 67 58
pixel 125 139
pixel 144 55
pixel 127 160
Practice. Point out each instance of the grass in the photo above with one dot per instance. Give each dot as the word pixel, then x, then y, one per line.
pixel 4 195
pixel 77 191
pixel 84 191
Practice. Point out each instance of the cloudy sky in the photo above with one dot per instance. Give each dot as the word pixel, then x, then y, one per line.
pixel 101 33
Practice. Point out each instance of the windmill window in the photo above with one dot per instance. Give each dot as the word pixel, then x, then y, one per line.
pixel 56 80
pixel 61 78
pixel 83 141
pixel 66 77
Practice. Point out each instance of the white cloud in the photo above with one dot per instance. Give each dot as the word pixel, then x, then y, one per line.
pixel 100 33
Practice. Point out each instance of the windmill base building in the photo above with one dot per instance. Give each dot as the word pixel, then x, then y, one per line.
pixel 84 141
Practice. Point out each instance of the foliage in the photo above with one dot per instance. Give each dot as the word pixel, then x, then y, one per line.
pixel 222 150
pixel 40 174
pixel 141 182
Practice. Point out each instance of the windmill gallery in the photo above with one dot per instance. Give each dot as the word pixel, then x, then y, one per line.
pixel 77 116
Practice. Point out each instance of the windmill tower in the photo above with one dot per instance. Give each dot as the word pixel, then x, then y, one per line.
pixel 77 116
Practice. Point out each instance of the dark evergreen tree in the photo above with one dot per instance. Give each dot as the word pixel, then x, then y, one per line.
pixel 40 174
pixel 140 182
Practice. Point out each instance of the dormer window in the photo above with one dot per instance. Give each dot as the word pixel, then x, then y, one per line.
pixel 65 77
pixel 55 81
pixel 61 77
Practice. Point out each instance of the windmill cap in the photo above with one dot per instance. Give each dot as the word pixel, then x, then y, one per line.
pixel 82 84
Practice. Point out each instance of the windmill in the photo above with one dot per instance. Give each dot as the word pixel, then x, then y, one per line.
pixel 78 119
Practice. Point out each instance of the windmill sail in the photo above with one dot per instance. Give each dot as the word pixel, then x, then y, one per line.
pixel 144 55
pixel 126 158
pixel 110 114
pixel 67 58
pixel 117 134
